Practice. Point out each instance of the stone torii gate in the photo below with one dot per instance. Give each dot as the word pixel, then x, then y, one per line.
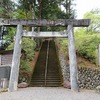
pixel 68 23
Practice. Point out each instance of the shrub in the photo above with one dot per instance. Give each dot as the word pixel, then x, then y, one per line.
pixel 86 45
pixel 25 66
pixel 25 71
pixel 63 45
pixel 28 45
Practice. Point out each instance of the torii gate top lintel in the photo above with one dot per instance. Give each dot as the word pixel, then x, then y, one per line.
pixel 45 22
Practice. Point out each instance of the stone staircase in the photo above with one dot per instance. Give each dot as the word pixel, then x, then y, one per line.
pixel 52 77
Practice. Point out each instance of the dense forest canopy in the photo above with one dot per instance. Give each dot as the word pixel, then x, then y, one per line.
pixel 36 9
pixel 49 9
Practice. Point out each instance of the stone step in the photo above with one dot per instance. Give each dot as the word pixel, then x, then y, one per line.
pixel 47 83
pixel 52 78
pixel 48 80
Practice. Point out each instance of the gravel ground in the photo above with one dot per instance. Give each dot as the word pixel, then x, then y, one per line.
pixel 49 93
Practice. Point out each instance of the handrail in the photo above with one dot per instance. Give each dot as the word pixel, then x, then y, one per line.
pixel 46 63
pixel 0 60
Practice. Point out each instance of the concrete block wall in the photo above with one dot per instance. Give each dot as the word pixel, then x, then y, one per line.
pixel 6 59
pixel 5 72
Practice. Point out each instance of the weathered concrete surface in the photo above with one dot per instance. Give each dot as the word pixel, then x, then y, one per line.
pixel 45 22
pixel 16 60
pixel 72 59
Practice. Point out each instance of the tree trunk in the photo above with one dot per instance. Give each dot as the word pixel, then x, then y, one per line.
pixel 26 17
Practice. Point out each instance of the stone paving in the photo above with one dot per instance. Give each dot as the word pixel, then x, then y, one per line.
pixel 49 93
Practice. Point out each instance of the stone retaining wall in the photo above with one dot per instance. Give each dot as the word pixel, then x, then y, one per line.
pixel 87 78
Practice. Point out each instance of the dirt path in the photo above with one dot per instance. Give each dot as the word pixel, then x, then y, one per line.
pixel 47 93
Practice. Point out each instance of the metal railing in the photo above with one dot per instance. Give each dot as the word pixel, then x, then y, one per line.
pixel 46 62
pixel 0 59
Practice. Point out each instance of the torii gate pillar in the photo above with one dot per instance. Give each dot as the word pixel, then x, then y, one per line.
pixel 16 60
pixel 72 59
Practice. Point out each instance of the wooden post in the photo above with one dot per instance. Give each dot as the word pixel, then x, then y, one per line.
pixel 16 60
pixel 72 59
pixel 99 55
pixel 0 59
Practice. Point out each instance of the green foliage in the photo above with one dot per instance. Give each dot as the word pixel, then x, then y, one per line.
pixel 7 8
pixel 11 46
pixel 45 9
pixel 28 45
pixel 94 15
pixel 63 45
pixel 25 71
pixel 19 14
pixel 86 45
pixel 10 35
pixel 25 66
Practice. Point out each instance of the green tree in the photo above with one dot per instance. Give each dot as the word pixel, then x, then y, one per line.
pixel 49 9
pixel 94 26
pixel 45 9
pixel 69 7
pixel 7 8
